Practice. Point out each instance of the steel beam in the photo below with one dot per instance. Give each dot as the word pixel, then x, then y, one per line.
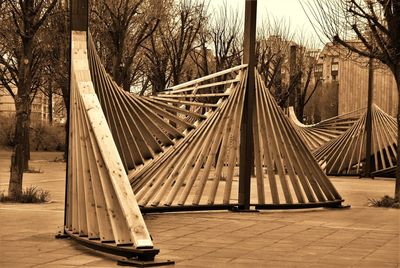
pixel 325 204
pixel 79 15
pixel 368 123
pixel 246 128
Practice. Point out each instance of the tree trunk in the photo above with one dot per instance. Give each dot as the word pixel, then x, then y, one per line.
pixel 116 67
pixel 18 158
pixel 144 87
pixel 205 60
pixel 300 110
pixel 176 76
pixel 118 64
pixel 293 71
pixel 27 144
pixel 50 103
pixel 20 155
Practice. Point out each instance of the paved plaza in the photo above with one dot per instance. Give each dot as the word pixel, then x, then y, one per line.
pixel 357 237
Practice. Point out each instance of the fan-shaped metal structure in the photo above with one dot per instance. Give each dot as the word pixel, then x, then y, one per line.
pixel 101 210
pixel 316 135
pixel 194 164
pixel 346 154
pixel 179 150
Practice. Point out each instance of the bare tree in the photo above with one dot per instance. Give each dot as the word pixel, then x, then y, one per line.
pixel 156 66
pixel 20 63
pixel 180 34
pixel 273 46
pixel 370 28
pixel 55 69
pixel 307 86
pixel 121 27
pixel 219 41
pixel 177 37
pixel 286 66
pixel 201 56
pixel 226 37
pixel 157 63
pixel 59 57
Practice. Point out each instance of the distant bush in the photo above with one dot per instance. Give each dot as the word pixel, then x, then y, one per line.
pixel 44 137
pixel 7 130
pixel 32 194
pixel 386 201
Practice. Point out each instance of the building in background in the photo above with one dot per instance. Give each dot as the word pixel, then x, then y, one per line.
pixel 40 107
pixel 344 84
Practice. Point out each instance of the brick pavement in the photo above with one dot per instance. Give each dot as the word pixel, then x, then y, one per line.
pixel 356 237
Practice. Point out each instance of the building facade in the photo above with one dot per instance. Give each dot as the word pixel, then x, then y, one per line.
pixel 350 73
pixel 39 113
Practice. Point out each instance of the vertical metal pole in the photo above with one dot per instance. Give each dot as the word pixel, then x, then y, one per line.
pixel 79 21
pixel 79 15
pixel 368 123
pixel 246 128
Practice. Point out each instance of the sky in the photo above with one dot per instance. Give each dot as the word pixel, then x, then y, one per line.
pixel 289 10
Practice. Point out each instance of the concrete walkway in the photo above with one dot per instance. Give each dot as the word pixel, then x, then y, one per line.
pixel 356 237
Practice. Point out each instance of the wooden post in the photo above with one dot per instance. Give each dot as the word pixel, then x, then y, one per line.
pixel 368 123
pixel 246 128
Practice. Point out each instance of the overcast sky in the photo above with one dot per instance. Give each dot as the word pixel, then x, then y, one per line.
pixel 289 10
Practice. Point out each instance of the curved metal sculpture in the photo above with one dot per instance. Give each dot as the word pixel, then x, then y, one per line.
pixel 179 150
pixel 346 154
pixel 100 204
pixel 316 135
pixel 197 170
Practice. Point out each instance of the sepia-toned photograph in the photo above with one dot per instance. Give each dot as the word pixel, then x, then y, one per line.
pixel 200 133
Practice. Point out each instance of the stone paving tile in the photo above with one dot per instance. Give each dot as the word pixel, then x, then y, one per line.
pixel 250 245
pixel 248 261
pixel 101 263
pixel 51 265
pixel 209 261
pixel 316 250
pixel 374 264
pixel 16 265
pixel 389 257
pixel 346 261
pixel 326 265
pixel 171 246
pixel 213 244
pixel 223 239
pixel 356 237
pixel 229 252
pixel 77 260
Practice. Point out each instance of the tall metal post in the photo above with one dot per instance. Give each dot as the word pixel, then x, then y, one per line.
pixel 368 123
pixel 79 14
pixel 246 128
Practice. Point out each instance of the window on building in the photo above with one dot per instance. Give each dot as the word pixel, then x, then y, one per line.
pixel 318 71
pixel 319 68
pixel 334 68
